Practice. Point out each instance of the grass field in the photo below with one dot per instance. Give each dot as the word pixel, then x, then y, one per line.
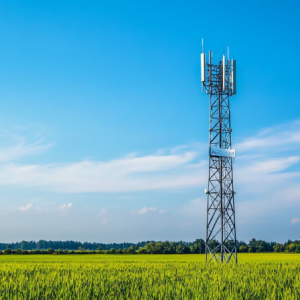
pixel 257 276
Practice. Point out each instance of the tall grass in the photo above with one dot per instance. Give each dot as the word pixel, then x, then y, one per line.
pixel 132 277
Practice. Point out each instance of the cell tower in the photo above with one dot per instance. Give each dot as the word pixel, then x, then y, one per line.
pixel 219 81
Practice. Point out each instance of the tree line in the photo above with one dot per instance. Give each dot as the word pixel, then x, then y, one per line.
pixel 67 245
pixel 262 246
pixel 146 247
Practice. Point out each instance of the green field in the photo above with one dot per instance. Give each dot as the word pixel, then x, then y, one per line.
pixel 257 276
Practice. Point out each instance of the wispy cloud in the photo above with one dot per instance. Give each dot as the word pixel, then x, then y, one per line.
pixel 257 169
pixel 273 165
pixel 103 212
pixel 145 210
pixel 277 138
pixel 266 178
pixel 14 146
pixel 65 206
pixel 268 182
pixel 26 207
pixel 120 175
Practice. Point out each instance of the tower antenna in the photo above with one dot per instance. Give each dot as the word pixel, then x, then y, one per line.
pixel 220 85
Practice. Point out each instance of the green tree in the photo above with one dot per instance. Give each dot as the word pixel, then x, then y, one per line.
pixel 278 248
pixel 243 248
pixel 131 250
pixel 50 250
pixel 193 249
pixel 7 251
pixel 173 247
pixel 142 250
pixel 292 247
pixel 24 245
pixel 180 249
pixel 112 251
pixel 159 247
pixel 150 247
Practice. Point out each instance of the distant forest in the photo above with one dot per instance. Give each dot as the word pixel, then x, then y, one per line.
pixel 146 247
pixel 67 245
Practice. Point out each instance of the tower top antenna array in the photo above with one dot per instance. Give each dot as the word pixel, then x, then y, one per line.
pixel 219 82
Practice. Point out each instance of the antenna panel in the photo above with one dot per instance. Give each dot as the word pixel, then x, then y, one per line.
pixel 233 76
pixel 202 67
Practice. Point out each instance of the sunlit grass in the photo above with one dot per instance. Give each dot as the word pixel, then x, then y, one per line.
pixel 242 257
pixel 257 276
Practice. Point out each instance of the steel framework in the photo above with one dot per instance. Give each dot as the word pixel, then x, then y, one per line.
pixel 220 243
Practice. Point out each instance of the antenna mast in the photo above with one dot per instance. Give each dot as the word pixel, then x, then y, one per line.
pixel 220 85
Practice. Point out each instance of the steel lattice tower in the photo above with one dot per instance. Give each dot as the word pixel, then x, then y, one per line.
pixel 219 81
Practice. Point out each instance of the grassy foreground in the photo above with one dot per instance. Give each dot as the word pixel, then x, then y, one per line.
pixel 258 276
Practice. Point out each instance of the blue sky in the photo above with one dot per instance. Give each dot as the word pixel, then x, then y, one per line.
pixel 104 128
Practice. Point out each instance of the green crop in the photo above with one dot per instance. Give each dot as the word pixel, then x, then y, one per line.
pixel 257 276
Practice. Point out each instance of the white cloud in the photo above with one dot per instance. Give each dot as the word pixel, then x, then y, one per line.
pixel 103 212
pixel 120 175
pixel 278 138
pixel 295 221
pixel 145 210
pixel 272 165
pixel 269 180
pixel 24 208
pixel 162 211
pixel 65 206
pixel 21 148
pixel 266 179
pixel 266 174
